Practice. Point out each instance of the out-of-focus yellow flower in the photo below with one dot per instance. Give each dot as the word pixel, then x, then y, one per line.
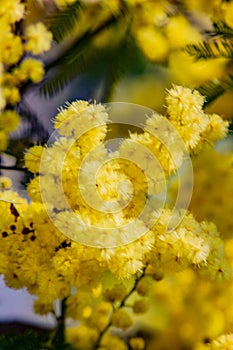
pixel 180 33
pixel 11 49
pixel 9 120
pixel 82 336
pixel 116 293
pixel 143 89
pixel 121 319
pixel 223 342
pixel 140 306
pixel 211 202
pixel 38 38
pixel 33 158
pixel 137 343
pixel 42 307
pixel 222 105
pixel 30 69
pixel 5 182
pixel 186 71
pixel 228 13
pixel 153 43
pixel 12 95
pixel 12 10
pixel 212 8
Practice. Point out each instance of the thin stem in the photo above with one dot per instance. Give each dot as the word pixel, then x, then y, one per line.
pixel 122 304
pixel 57 340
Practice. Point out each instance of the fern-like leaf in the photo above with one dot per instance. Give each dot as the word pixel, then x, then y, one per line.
pixel 220 30
pixel 64 20
pixel 82 56
pixel 215 88
pixel 109 63
pixel 211 49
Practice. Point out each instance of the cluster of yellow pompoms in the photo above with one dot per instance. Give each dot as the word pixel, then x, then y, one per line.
pixel 41 241
pixel 19 63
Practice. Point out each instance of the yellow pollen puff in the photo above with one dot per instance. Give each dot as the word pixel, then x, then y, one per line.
pixel 153 43
pixel 33 157
pixel 38 38
pixel 9 120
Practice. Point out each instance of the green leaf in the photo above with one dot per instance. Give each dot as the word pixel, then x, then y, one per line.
pixel 220 30
pixel 26 341
pixel 211 49
pixel 109 63
pixel 215 88
pixel 63 21
pixel 85 57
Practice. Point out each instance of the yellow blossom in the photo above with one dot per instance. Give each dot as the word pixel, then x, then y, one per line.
pixel 31 69
pixel 137 343
pixel 12 95
pixel 116 293
pixel 42 306
pixel 223 342
pixel 209 201
pixel 121 319
pixel 144 286
pixel 5 182
pixel 11 49
pixel 82 336
pixel 32 158
pixel 185 70
pixel 9 120
pixel 140 306
pixel 112 341
pixel 180 32
pixel 182 102
pixel 33 189
pixel 38 38
pixel 152 43
pixel 12 10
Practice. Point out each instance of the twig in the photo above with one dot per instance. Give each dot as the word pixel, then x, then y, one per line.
pixel 13 167
pixel 122 304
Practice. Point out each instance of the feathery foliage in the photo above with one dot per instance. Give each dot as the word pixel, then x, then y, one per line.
pixel 26 341
pixel 63 21
pixel 84 56
pixel 211 49
pixel 109 62
pixel 217 44
pixel 215 88
pixel 220 30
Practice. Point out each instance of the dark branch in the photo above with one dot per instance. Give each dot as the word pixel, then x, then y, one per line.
pixel 14 167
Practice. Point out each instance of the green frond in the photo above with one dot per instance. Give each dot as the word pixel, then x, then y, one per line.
pixel 211 49
pixel 109 63
pixel 63 21
pixel 220 30
pixel 21 342
pixel 85 57
pixel 72 53
pixel 215 88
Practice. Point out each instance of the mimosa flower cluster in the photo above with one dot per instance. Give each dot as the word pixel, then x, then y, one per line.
pixel 209 167
pixel 200 307
pixel 45 243
pixel 21 43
